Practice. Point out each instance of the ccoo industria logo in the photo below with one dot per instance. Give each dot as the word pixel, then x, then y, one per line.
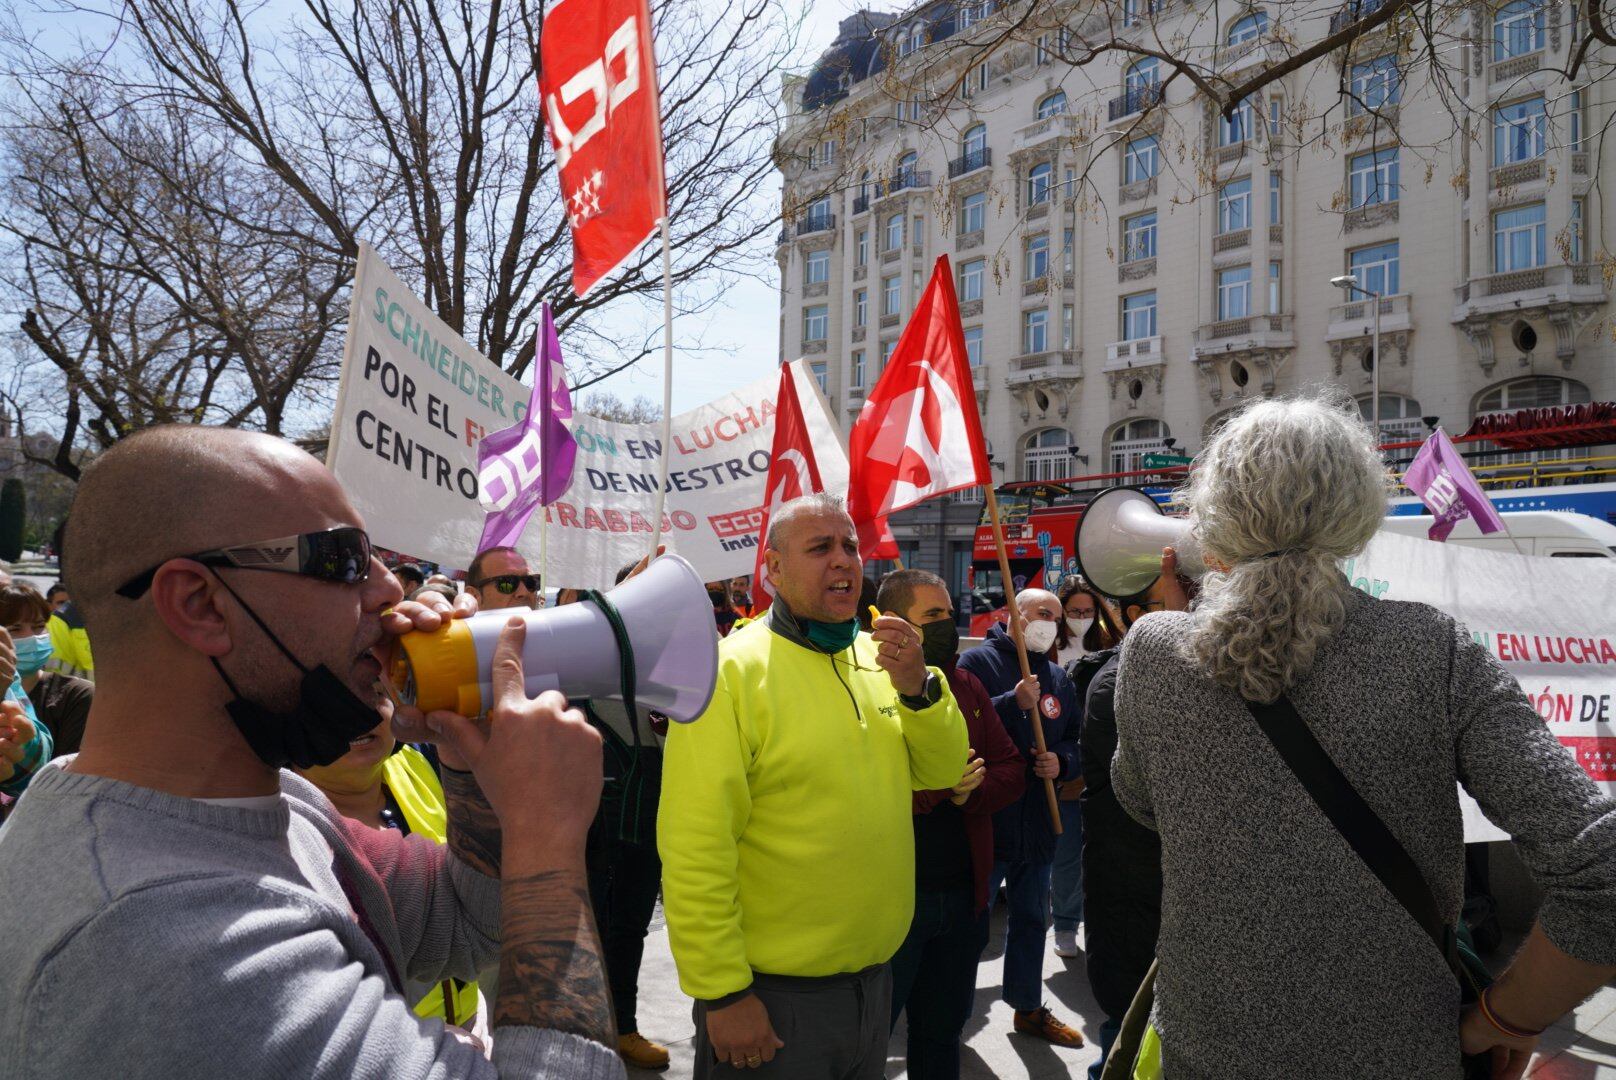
pixel 737 531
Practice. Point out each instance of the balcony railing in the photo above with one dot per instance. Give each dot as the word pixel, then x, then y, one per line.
pixel 1137 99
pixel 816 223
pixel 904 179
pixel 861 204
pixel 1578 283
pixel 1246 332
pixel 1358 9
pixel 1356 318
pixel 1061 125
pixel 970 162
pixel 1134 353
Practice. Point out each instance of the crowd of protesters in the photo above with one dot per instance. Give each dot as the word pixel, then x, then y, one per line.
pixel 296 874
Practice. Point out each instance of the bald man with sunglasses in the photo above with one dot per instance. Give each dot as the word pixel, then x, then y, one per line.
pixel 207 912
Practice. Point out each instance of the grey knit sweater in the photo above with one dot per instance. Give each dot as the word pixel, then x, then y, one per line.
pixel 1281 955
pixel 163 937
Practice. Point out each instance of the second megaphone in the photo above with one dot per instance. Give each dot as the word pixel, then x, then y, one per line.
pixel 661 619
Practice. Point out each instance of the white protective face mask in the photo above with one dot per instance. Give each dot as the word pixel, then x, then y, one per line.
pixel 1077 628
pixel 1039 636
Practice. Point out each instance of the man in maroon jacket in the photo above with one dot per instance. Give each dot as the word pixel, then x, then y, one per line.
pixel 934 971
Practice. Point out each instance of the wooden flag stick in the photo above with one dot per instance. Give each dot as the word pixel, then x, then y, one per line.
pixel 667 383
pixel 1021 647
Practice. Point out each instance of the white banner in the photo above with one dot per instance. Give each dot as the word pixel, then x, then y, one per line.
pixel 1551 622
pixel 415 398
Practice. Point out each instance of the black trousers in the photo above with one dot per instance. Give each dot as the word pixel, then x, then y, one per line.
pixel 623 882
pixel 834 1028
pixel 934 978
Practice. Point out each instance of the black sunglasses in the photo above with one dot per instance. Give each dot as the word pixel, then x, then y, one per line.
pixel 340 555
pixel 507 583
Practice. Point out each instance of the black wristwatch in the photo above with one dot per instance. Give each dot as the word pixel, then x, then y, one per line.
pixel 929 696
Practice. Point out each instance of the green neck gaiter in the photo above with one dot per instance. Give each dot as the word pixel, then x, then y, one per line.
pixel 830 637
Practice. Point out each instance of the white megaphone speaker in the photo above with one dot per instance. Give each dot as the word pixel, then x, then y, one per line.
pixel 1120 539
pixel 654 632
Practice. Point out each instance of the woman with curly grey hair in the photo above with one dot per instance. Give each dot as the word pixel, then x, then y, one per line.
pixel 1281 954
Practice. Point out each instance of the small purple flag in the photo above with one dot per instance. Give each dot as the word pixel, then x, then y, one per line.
pixel 528 464
pixel 1439 476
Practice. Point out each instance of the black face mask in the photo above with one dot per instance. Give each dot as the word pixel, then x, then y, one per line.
pixel 939 641
pixel 317 731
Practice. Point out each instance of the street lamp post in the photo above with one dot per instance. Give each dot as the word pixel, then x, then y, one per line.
pixel 1349 283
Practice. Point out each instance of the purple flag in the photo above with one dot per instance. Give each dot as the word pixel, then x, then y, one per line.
pixel 529 464
pixel 1439 476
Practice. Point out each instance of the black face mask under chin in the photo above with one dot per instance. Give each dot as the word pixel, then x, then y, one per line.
pixel 327 718
pixel 939 642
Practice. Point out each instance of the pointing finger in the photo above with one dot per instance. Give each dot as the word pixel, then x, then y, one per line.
pixel 510 687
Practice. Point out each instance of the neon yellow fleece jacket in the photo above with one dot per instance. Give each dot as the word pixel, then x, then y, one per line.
pixel 786 822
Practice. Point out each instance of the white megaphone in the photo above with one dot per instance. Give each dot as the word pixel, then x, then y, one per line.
pixel 1120 539
pixel 656 629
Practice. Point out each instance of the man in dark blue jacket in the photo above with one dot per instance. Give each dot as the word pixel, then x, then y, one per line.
pixel 1023 836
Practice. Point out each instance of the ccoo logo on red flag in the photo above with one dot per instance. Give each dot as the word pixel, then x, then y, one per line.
pixel 597 82
pixel 793 473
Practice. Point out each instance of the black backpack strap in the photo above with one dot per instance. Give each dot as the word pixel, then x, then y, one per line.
pixel 1353 818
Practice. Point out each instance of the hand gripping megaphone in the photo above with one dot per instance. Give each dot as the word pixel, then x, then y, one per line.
pixel 653 636
pixel 1120 539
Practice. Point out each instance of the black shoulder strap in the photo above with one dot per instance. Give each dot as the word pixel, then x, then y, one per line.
pixel 1352 816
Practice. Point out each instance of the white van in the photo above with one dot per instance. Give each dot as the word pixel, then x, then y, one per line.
pixel 1557 534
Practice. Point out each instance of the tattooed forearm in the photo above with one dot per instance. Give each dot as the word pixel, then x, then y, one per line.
pixel 550 970
pixel 473 827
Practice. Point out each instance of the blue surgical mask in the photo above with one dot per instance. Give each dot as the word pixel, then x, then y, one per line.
pixel 32 652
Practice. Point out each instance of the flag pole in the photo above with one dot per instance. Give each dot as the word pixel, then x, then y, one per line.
pixel 1021 648
pixel 667 383
pixel 544 552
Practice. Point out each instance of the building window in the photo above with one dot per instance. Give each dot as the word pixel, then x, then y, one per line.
pixel 1047 456
pixel 816 268
pixel 1234 206
pixel 1249 28
pixel 1038 183
pixel 827 153
pixel 972 12
pixel 1034 331
pixel 861 248
pixel 973 212
pixel 815 322
pixel 1036 262
pixel 1134 11
pixel 1068 326
pixel 1273 198
pixel 917 232
pixel 1519 239
pixel 1276 112
pixel 1372 178
pixel 1234 293
pixel 1518 130
pixel 894 232
pixel 1275 297
pixel 1066 251
pixel 1373 85
pixel 1139 236
pixel 912 38
pixel 818 369
pixel 1376 268
pixel 1139 316
pixel 887 348
pixel 861 307
pixel 891 288
pixel 1576 118
pixel 864 186
pixel 1578 218
pixel 973 345
pixel 1518 29
pixel 975 81
pixel 855 377
pixel 1236 127
pixel 1537 392
pixel 1130 443
pixel 1141 160
pixel 975 141
pixel 971 276
pixel 1053 105
pixel 1142 73
pixel 1399 417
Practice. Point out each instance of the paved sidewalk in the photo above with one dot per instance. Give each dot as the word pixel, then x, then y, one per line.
pixel 1581 1048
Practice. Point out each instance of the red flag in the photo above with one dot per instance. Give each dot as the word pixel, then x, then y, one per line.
pixel 793 473
pixel 919 433
pixel 597 81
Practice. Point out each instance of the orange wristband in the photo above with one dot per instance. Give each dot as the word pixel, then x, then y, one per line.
pixel 1492 1018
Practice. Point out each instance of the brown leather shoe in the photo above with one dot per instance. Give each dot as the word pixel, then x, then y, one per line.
pixel 1041 1023
pixel 636 1050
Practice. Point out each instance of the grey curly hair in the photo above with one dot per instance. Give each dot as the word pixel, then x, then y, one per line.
pixel 1282 492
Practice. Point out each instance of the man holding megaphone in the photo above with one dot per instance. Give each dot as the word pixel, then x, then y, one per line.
pixel 785 826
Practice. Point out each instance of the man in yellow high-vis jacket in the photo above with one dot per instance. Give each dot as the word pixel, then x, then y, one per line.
pixel 785 823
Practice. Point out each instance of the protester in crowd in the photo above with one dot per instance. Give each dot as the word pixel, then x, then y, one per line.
pixel 568 596
pixel 1261 893
pixel 785 827
pixel 500 579
pixel 25 743
pixel 1121 878
pixel 1023 835
pixel 61 702
pixel 441 579
pixel 409 577
pixel 447 591
pixel 740 594
pixel 724 613
pixel 934 970
pixel 56 596
pixel 248 928
pixel 1088 622
pixel 70 643
pixel 383 784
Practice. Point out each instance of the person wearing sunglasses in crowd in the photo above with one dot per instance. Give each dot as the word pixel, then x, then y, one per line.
pixel 208 912
pixel 500 578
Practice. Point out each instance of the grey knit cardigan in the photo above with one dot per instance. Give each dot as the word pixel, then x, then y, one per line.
pixel 1280 954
